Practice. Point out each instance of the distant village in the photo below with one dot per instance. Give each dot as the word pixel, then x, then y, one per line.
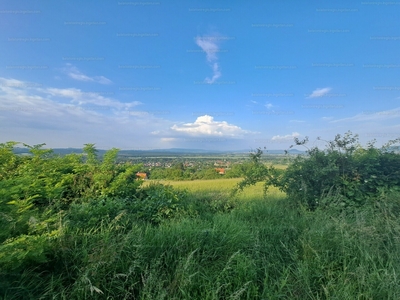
pixel 183 168
pixel 188 164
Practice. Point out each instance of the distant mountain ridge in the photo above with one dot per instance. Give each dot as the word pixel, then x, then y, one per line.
pixel 64 151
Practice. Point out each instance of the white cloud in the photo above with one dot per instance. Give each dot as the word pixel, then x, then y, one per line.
pixel 381 116
pixel 216 74
pixel 269 105
pixel 288 137
pixel 206 126
pixel 168 140
pixel 88 98
pixel 13 83
pixel 71 118
pixel 74 73
pixel 102 80
pixel 320 92
pixel 210 48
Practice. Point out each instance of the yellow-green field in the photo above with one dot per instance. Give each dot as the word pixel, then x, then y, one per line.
pixel 278 166
pixel 221 186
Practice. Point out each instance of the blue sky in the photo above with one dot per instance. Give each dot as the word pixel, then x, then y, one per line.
pixel 198 74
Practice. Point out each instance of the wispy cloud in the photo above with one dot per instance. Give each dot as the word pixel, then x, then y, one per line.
pixel 78 97
pixel 69 117
pixel 320 92
pixel 210 47
pixel 288 137
pixel 206 126
pixel 35 114
pixel 74 73
pixel 378 116
pixel 168 139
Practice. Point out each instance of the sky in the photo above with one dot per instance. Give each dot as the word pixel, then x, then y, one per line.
pixel 213 75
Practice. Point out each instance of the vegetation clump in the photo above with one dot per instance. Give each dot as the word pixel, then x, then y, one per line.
pixel 343 175
pixel 80 227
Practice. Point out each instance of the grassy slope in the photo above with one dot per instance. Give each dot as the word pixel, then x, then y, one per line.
pixel 262 249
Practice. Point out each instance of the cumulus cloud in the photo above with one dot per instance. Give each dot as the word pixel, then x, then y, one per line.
pixel 74 73
pixel 211 48
pixel 288 137
pixel 319 92
pixel 206 126
pixel 70 117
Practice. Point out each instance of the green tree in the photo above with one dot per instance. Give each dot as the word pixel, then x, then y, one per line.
pixel 91 154
pixel 343 175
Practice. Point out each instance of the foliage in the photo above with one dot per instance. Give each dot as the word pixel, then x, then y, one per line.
pixel 167 173
pixel 78 228
pixel 343 175
pixel 156 202
pixel 237 170
pixel 181 173
pixel 260 250
pixel 37 190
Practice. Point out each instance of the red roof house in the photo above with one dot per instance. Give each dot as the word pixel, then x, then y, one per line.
pixel 141 175
pixel 220 170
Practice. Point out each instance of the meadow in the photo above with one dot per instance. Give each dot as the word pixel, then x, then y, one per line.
pixel 221 186
pixel 254 248
pixel 83 229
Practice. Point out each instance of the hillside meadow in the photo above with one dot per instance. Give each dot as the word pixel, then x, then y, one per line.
pixel 81 227
pixel 256 249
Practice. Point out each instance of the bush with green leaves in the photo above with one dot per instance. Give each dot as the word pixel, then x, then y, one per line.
pixel 55 180
pixel 37 190
pixel 157 202
pixel 178 172
pixel 345 174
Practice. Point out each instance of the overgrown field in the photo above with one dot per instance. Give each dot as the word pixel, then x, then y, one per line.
pixel 77 227
pixel 262 249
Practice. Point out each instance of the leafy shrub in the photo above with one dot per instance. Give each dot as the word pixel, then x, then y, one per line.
pixel 208 203
pixel 93 212
pixel 151 204
pixel 344 172
pixel 55 180
pixel 156 202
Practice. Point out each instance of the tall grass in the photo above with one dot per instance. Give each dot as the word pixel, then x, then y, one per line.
pixel 259 249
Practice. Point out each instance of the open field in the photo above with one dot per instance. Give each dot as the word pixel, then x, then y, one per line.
pixel 223 186
pixel 278 166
